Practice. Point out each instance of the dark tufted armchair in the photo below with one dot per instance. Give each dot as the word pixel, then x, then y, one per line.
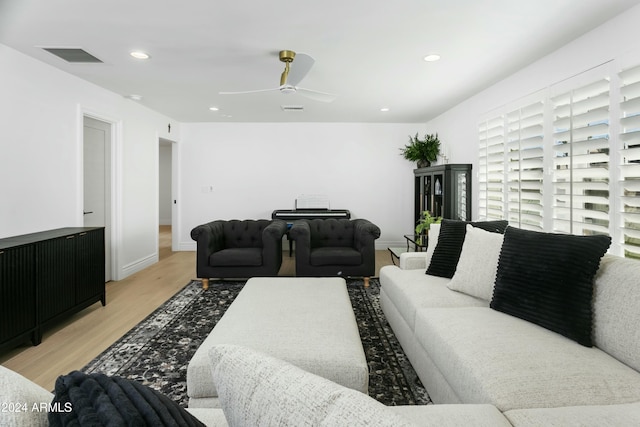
pixel 335 247
pixel 238 248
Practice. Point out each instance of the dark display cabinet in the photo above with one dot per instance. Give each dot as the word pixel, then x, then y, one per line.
pixel 443 190
pixel 47 276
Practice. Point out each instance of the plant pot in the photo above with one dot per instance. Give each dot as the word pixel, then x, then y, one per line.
pixel 423 164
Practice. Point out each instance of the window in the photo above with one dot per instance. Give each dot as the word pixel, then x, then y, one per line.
pixel 567 159
pixel 629 185
pixel 581 160
pixel 525 166
pixel 491 166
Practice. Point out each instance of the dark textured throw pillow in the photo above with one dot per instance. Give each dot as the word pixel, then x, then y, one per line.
pixel 447 251
pixel 98 400
pixel 547 279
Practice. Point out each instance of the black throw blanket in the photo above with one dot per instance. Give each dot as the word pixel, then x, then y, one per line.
pixel 99 400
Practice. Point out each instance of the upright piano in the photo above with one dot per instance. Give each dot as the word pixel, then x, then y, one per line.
pixel 290 215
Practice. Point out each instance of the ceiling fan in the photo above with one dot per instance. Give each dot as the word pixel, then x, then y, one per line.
pixel 291 76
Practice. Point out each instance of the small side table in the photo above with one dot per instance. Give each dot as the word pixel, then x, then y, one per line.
pixel 418 242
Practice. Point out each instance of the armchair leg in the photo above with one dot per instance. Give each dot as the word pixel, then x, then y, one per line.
pixel 205 284
pixel 366 282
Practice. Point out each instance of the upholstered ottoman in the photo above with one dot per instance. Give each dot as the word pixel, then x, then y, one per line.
pixel 308 322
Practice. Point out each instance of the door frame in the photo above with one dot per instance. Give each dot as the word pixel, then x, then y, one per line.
pixel 116 181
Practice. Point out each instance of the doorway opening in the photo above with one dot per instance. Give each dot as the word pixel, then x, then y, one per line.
pixel 166 200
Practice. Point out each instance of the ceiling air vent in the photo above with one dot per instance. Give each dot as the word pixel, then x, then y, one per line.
pixel 75 55
pixel 293 108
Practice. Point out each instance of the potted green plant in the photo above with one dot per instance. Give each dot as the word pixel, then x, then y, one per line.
pixel 424 223
pixel 424 151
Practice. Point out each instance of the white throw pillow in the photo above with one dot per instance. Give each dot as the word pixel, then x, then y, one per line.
pixel 24 403
pixel 256 389
pixel 476 271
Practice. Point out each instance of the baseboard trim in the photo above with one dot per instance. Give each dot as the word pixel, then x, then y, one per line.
pixel 187 246
pixel 386 244
pixel 138 265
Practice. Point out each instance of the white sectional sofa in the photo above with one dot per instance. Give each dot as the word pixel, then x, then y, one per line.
pixel 466 352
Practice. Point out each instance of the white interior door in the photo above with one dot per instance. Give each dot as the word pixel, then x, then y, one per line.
pixel 97 181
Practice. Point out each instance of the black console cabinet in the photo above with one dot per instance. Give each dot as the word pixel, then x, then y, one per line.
pixel 47 276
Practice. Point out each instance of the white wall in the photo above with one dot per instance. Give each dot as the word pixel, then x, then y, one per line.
pixel 458 127
pixel 41 156
pixel 255 168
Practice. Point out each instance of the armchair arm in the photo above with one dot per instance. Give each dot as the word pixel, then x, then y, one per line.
pixel 274 231
pixel 300 232
pixel 210 239
pixel 364 235
pixel 272 244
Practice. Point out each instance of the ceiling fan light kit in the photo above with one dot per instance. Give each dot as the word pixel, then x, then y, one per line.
pixel 293 73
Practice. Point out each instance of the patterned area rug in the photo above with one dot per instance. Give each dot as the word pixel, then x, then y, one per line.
pixel 158 349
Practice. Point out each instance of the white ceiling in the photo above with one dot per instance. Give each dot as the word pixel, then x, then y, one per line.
pixel 368 52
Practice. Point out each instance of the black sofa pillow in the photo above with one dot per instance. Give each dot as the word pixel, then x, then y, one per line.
pixel 447 251
pixel 96 400
pixel 547 279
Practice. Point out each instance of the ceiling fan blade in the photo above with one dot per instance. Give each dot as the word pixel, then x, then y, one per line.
pixel 316 95
pixel 248 91
pixel 300 66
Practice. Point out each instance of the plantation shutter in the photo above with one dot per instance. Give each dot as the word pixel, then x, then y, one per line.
pixel 491 165
pixel 482 169
pixel 629 192
pixel 581 160
pixel 525 168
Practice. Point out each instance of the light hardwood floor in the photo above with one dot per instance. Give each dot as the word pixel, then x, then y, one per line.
pixel 73 343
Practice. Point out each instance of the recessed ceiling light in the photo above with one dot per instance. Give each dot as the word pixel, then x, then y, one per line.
pixel 139 54
pixel 432 57
pixel 384 109
pixel 214 109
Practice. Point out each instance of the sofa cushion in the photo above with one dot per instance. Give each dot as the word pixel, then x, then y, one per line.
pixel 236 257
pixel 452 415
pixel 616 315
pixel 476 271
pixel 450 239
pixel 583 416
pixel 547 279
pixel 490 357
pixel 257 389
pixel 97 399
pixel 18 390
pixel 332 255
pixel 410 290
